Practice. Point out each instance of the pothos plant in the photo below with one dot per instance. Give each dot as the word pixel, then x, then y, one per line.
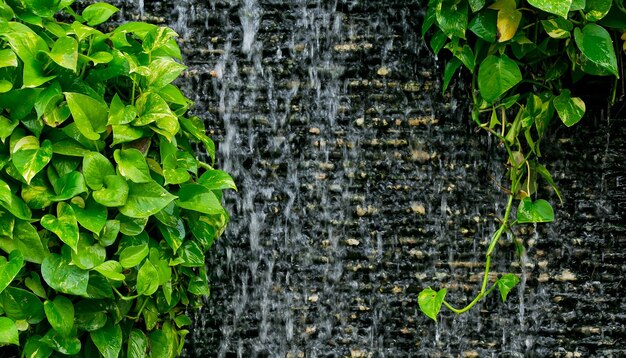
pixel 105 211
pixel 523 56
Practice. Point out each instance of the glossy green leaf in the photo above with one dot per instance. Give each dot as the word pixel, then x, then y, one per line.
pixel 597 47
pixel 33 283
pixel 69 186
pixel 157 37
pixel 10 268
pixel 111 270
pixel 174 236
pixel 545 174
pixel 430 302
pixel 539 211
pixel 97 13
pixel 557 28
pixel 90 215
pixel 191 254
pixel 6 127
pixel 29 157
pixel 60 314
pixel 27 241
pixel 109 233
pixel 19 304
pixel 496 76
pixel 570 109
pixel 12 203
pixel 164 70
pixel 484 25
pixel 145 200
pixel 131 226
pixel 114 193
pixel 27 44
pixel 162 345
pixel 64 225
pixel 476 5
pixel 63 277
pixel 195 127
pixel 557 7
pixel 506 284
pixel 133 255
pixel 137 344
pixel 90 115
pixel 146 283
pixel 99 286
pixel 196 197
pixel 132 165
pixel 597 9
pixel 206 228
pixel 127 133
pixel 89 253
pixel 119 113
pixel 8 332
pixel 8 58
pixel 65 53
pixel 34 348
pixel 7 223
pixel 90 315
pixel 64 345
pixel 452 17
pixel 95 168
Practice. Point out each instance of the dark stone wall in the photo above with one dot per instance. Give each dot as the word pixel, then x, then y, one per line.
pixel 360 184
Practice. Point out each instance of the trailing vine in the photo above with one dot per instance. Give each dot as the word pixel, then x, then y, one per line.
pixel 523 56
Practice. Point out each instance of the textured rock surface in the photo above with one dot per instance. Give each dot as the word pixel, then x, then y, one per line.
pixel 360 184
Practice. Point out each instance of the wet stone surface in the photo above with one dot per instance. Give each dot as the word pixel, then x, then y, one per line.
pixel 360 184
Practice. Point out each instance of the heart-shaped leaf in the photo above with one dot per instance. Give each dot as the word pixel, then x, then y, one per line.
pixel 64 225
pixel 69 186
pixel 63 345
pixel 115 192
pixel 137 344
pixel 29 157
pixel 90 215
pixel 12 203
pixel 146 283
pixel 557 7
pixel 63 277
pixel 452 17
pixel 217 180
pixel 133 255
pixel 65 52
pixel 9 269
pixel 109 234
pixel 60 314
pixel 89 253
pixel 191 254
pixel 164 70
pixel 597 9
pixel 97 13
pixel 27 241
pixel 20 304
pixel 121 114
pixel 506 284
pixel 132 165
pixel 145 200
pixel 430 301
pixel 108 339
pixel 597 48
pixel 95 168
pixel 496 75
pixel 8 332
pixel 196 197
pixel 570 109
pixel 539 211
pixel 90 115
pixel 111 270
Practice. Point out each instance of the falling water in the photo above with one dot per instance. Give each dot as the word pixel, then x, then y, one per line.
pixel 360 184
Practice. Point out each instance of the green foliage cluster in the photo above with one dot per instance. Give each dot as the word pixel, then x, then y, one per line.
pixel 105 212
pixel 523 56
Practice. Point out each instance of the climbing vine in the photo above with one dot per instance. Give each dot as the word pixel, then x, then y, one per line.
pixel 523 57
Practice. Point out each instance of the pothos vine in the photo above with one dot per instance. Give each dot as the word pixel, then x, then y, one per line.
pixel 523 56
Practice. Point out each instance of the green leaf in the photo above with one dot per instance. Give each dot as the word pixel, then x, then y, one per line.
pixel 27 44
pixel 570 109
pixel 145 200
pixel 146 283
pixel 196 197
pixel 162 345
pixel 12 203
pixel 548 178
pixel 8 332
pixel 90 215
pixel 217 180
pixel 20 304
pixel 127 133
pixel 64 225
pixel 97 13
pixel 191 254
pixel 69 186
pixel 60 314
pixel 496 76
pixel 131 226
pixel 95 168
pixel 65 52
pixel 476 5
pixel 484 25
pixel 9 269
pixel 557 28
pixel 164 70
pixel 109 233
pixel 430 301
pixel 111 270
pixel 597 47
pixel 33 283
pixel 63 277
pixel 98 287
pixel 34 348
pixel 89 254
pixel 29 158
pixel 157 38
pixel 506 284
pixel 114 193
pixel 206 228
pixel 174 236
pixel 539 211
pixel 119 113
pixel 132 165
pixel 90 315
pixel 8 58
pixel 137 344
pixel 133 255
pixel 6 127
pixel 195 127
pixel 452 17
pixel 26 239
pixel 557 7
pixel 90 115
pixel 63 345
pixel 597 9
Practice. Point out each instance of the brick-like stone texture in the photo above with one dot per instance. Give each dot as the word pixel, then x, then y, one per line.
pixel 360 184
